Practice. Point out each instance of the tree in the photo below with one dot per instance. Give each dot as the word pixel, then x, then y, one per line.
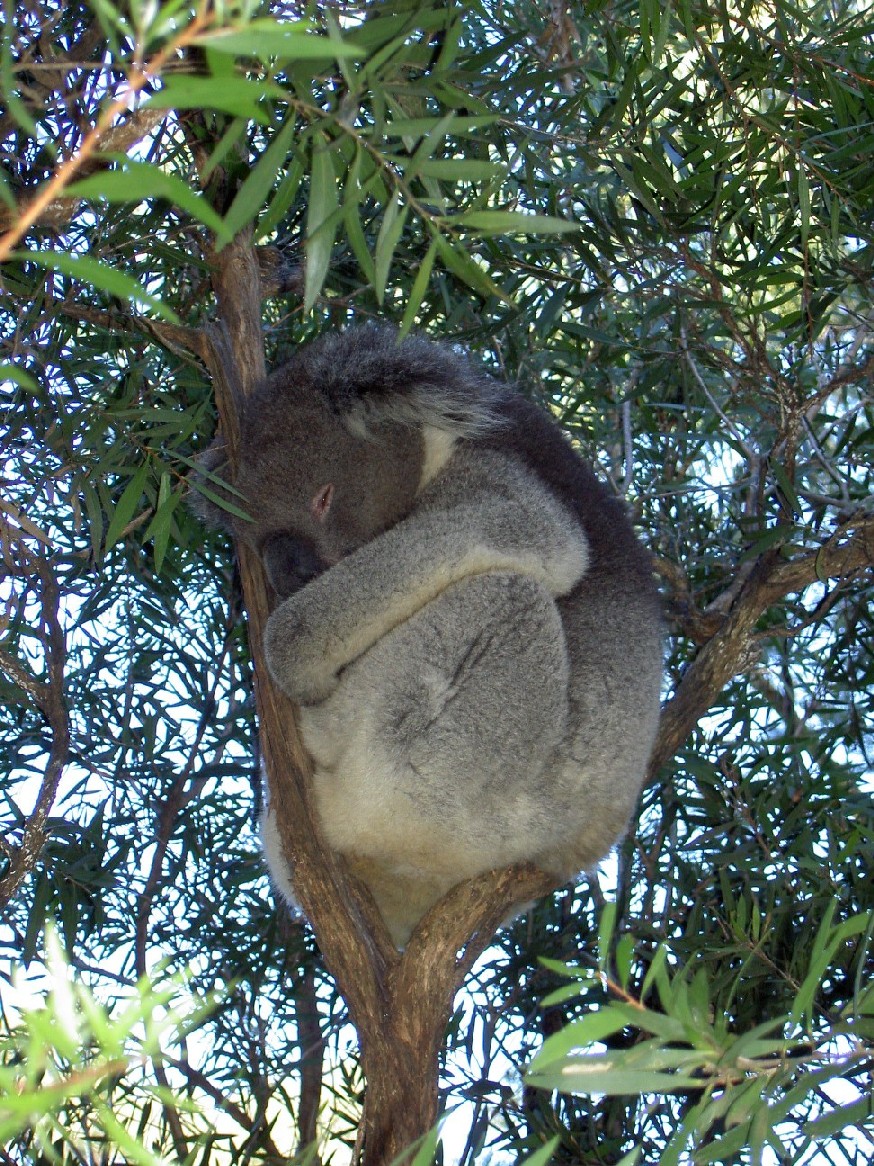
pixel 660 223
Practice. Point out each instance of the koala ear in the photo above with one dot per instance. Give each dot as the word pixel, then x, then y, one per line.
pixel 320 503
pixel 208 488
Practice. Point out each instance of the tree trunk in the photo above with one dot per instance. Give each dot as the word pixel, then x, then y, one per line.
pixel 400 1104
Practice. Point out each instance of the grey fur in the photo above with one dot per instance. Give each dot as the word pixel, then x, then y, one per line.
pixel 470 627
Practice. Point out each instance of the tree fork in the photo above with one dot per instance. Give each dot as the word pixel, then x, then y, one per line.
pixel 400 1003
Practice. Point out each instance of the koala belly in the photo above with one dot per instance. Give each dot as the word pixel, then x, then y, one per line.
pixel 433 756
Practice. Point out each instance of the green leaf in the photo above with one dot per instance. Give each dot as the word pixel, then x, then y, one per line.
pixel 543 1156
pixel 803 202
pixel 632 1158
pixel 772 536
pixel 222 501
pixel 322 218
pixel 825 945
pixel 273 39
pixel 238 96
pixel 605 934
pixel 11 372
pixel 417 127
pixel 132 1149
pixel 353 192
pixel 624 958
pixel 579 1034
pixel 101 275
pixel 389 233
pixel 160 527
pixel 139 181
pixel 286 192
pixel 610 1074
pixel 669 1028
pixel 127 505
pixel 420 286
pixel 456 259
pixel 425 1154
pixel 252 195
pixel 512 222
pixel 664 27
pixel 858 1113
pixel 459 169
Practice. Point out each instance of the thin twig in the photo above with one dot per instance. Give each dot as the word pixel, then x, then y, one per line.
pixel 139 77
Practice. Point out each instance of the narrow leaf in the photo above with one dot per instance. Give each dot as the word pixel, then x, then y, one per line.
pixel 238 96
pixel 457 260
pixel 127 505
pixel 322 220
pixel 513 222
pixel 389 233
pixel 601 1075
pixel 543 1156
pixel 252 195
pixel 138 181
pixel 272 39
pixel 460 169
pixel 420 286
pixel 101 275
pixel 11 372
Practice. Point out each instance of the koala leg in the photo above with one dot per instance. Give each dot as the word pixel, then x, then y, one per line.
pixel 449 725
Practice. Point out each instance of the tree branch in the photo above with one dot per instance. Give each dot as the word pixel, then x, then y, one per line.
pixel 49 697
pixel 850 549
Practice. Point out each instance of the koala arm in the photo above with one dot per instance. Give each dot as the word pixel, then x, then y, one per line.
pixel 473 525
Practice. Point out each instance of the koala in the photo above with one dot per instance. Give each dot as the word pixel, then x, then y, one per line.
pixel 463 614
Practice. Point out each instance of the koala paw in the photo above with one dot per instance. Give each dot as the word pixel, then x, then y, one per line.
pixel 301 672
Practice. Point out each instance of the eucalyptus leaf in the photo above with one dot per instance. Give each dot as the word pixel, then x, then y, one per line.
pixel 322 218
pixel 266 39
pixel 138 181
pixel 512 222
pixel 101 275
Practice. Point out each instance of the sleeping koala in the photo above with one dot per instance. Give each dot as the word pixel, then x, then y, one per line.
pixel 465 617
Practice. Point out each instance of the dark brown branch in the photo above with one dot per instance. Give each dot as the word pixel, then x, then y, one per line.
pixel 49 697
pixel 312 1050
pixel 173 336
pixel 850 549
pixel 236 280
pixel 726 653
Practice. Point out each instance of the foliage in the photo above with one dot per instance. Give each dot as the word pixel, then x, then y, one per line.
pixel 705 332
pixel 765 1087
pixel 71 1070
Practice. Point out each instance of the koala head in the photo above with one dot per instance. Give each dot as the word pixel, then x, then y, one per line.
pixel 332 449
pixel 312 490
